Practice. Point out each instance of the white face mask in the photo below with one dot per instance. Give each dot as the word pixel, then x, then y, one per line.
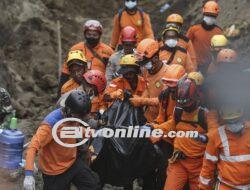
pixel 235 127
pixel 209 20
pixel 171 42
pixel 149 65
pixel 130 4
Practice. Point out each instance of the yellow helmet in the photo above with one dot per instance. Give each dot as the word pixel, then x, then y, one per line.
pixel 175 18
pixel 197 77
pixel 219 41
pixel 76 55
pixel 128 60
pixel 231 113
pixel 171 27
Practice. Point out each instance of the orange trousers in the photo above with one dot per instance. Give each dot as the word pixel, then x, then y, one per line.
pixel 183 171
pixel 220 186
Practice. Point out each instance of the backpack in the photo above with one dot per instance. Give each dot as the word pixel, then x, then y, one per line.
pixel 201 117
pixel 120 16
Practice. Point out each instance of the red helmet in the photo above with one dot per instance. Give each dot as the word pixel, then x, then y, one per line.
pixel 93 25
pixel 128 34
pixel 187 92
pixel 96 78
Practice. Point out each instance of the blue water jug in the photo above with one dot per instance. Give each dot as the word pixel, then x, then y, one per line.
pixel 11 147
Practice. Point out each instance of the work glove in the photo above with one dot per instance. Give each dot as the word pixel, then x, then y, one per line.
pixel 29 183
pixel 118 94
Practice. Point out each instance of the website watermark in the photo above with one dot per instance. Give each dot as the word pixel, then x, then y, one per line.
pixel 85 132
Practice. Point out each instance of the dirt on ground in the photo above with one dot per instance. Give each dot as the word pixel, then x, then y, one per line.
pixel 29 47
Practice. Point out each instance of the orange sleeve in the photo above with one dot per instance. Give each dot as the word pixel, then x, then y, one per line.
pixel 42 137
pixel 191 51
pixel 213 119
pixel 116 32
pixel 190 34
pixel 209 163
pixel 142 101
pixel 148 31
pixel 161 115
pixel 167 126
pixel 190 66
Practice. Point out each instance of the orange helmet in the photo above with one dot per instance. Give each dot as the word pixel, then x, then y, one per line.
pixel 227 56
pixel 211 8
pixel 174 73
pixel 175 18
pixel 147 48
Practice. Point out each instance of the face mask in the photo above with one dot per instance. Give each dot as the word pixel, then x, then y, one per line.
pixel 235 127
pixel 92 41
pixel 171 43
pixel 130 4
pixel 149 65
pixel 209 20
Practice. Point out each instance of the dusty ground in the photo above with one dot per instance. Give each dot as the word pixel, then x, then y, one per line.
pixel 28 43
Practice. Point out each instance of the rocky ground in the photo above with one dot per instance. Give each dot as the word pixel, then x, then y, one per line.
pixel 28 43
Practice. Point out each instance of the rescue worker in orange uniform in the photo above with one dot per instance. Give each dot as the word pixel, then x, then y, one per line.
pixel 129 83
pixel 167 98
pixel 96 52
pixel 93 82
pixel 186 161
pixel 129 41
pixel 167 103
pixel 77 66
pixel 227 65
pixel 171 53
pixel 153 71
pixel 60 165
pixel 133 16
pixel 184 41
pixel 225 58
pixel 218 42
pixel 201 35
pixel 228 153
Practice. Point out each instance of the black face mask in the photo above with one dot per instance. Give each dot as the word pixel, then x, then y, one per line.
pixel 207 27
pixel 92 41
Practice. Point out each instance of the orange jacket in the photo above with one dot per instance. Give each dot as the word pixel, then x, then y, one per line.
pixel 153 90
pixel 189 146
pixel 201 40
pixel 54 159
pixel 97 101
pixel 230 154
pixel 69 85
pixel 103 50
pixel 181 57
pixel 143 31
pixel 187 44
pixel 123 84
pixel 166 110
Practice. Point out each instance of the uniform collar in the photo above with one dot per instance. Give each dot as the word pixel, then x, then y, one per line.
pixel 207 27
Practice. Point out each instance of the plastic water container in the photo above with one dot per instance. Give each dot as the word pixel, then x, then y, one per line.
pixel 11 147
